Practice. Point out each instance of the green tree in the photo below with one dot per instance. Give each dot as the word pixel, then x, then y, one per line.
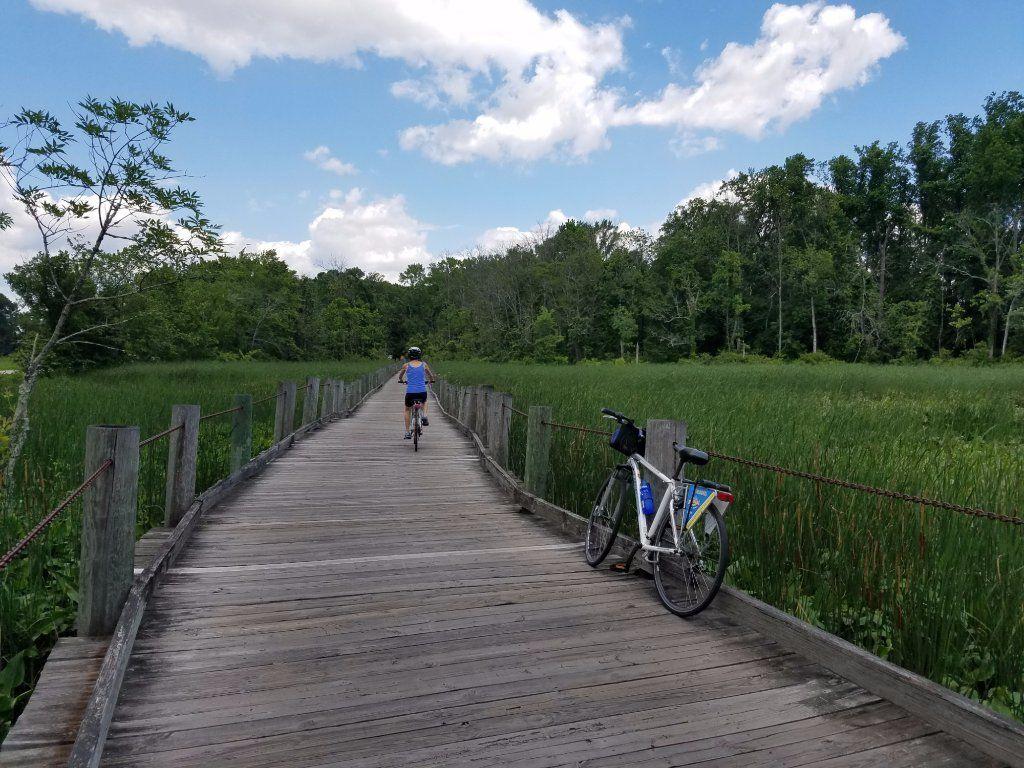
pixel 626 328
pixel 104 193
pixel 8 325
pixel 545 339
pixel 727 293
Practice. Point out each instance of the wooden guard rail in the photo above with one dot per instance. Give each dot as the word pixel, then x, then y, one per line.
pixel 477 411
pixel 112 598
pixel 120 613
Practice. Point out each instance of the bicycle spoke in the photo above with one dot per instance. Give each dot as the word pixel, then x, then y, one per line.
pixel 687 580
pixel 606 517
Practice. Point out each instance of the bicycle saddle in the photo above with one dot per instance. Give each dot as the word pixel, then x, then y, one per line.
pixel 692 455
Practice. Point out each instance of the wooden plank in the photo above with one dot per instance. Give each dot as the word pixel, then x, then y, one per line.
pixel 241 431
pixel 379 607
pixel 45 731
pixel 661 435
pixel 108 528
pixel 182 451
pixel 996 736
pixel 310 400
pixel 91 737
pixel 538 449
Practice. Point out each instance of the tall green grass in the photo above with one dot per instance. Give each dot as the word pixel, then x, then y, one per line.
pixel 933 591
pixel 38 592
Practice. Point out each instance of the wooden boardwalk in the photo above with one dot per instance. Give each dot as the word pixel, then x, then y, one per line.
pixel 361 605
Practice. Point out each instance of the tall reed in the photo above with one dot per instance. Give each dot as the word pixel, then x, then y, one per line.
pixel 38 592
pixel 933 591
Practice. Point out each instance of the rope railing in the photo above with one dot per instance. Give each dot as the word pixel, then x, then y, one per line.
pixel 43 524
pixel 21 545
pixel 864 488
pixel 910 498
pixel 220 413
pixel 153 438
pixel 577 428
pixel 506 406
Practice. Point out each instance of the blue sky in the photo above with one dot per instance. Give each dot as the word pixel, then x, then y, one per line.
pixel 269 84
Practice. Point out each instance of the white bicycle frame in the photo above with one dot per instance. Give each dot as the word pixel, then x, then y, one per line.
pixel 666 507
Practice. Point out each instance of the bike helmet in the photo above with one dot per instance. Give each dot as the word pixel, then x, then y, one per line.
pixel 415 353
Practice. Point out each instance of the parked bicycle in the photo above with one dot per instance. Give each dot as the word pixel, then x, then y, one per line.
pixel 683 537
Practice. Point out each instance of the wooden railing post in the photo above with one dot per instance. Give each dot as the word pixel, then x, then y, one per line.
pixel 471 407
pixel 661 433
pixel 493 422
pixel 327 402
pixel 284 416
pixel 182 451
pixel 499 426
pixel 310 400
pixel 538 450
pixel 241 432
pixel 338 404
pixel 107 561
pixel 483 401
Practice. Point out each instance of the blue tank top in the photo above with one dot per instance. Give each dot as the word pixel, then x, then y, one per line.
pixel 417 378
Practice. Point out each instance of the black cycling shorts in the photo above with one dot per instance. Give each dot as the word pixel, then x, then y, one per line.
pixel 414 397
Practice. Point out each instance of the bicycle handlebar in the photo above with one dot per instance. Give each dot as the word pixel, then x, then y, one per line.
pixel 610 414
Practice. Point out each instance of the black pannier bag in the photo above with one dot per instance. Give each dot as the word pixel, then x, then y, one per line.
pixel 628 439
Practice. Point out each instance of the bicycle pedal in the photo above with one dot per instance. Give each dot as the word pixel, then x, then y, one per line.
pixel 621 568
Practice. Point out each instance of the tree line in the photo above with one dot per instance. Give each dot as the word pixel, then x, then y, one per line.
pixel 891 252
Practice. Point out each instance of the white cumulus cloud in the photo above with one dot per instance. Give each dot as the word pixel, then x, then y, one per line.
pixel 534 84
pixel 803 54
pixel 500 238
pixel 711 190
pixel 322 157
pixel 377 235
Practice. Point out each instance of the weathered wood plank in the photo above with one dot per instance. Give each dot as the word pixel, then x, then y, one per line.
pixel 108 528
pixel 362 605
pixel 182 452
pixel 241 431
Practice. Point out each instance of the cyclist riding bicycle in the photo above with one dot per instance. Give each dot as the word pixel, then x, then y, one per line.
pixel 415 374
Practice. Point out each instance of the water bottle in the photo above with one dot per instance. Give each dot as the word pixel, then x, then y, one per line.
pixel 646 498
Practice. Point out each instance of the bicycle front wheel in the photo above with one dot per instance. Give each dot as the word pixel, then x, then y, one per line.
pixel 606 516
pixel 688 579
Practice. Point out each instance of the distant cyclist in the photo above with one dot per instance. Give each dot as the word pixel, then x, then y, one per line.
pixel 416 374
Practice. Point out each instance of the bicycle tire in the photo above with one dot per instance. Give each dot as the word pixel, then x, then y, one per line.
pixel 679 590
pixel 603 525
pixel 416 437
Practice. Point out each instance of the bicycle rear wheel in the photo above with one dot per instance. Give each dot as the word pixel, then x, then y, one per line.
pixel 416 436
pixel 688 580
pixel 606 516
